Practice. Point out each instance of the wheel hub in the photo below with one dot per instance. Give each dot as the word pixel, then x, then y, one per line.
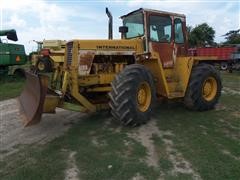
pixel 41 66
pixel 144 97
pixel 209 90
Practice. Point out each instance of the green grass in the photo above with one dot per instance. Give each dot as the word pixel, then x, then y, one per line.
pixel 93 161
pixel 10 87
pixel 35 163
pixel 201 138
pixel 203 147
pixel 231 80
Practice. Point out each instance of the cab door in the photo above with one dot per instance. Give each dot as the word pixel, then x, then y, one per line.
pixel 180 40
pixel 161 38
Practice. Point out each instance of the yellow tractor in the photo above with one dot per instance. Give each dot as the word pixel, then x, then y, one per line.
pixel 127 75
pixel 49 56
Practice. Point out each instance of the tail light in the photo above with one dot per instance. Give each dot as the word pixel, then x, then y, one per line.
pixel 18 58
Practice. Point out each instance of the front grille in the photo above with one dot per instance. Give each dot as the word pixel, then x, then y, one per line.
pixel 69 52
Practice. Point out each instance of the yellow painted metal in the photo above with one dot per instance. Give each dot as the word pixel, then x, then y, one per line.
pixel 57 49
pixel 75 92
pixel 100 89
pixel 209 89
pixel 65 82
pixel 155 66
pixel 57 57
pixel 171 83
pixel 88 80
pixel 55 75
pixel 91 107
pixel 183 71
pixel 119 67
pixel 56 81
pixel 177 78
pixel 50 103
pixel 56 45
pixel 135 45
pixel 144 96
pixel 106 78
pixel 95 79
pixel 71 80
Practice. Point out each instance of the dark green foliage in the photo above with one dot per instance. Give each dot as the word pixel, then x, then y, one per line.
pixel 232 37
pixel 10 87
pixel 201 35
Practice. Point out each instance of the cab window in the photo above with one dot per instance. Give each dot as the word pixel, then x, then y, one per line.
pixel 135 25
pixel 160 28
pixel 178 31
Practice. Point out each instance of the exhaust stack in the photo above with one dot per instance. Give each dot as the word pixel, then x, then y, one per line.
pixel 110 24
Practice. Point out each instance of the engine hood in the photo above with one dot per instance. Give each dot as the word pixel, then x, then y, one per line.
pixel 134 45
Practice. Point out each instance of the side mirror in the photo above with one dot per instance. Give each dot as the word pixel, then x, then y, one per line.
pixel 123 30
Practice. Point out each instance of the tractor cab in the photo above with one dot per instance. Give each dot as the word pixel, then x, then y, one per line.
pixel 162 32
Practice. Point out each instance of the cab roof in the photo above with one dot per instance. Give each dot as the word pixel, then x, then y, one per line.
pixel 154 11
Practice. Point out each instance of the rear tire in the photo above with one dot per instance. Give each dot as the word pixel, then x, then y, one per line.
pixel 44 65
pixel 204 88
pixel 132 95
pixel 19 73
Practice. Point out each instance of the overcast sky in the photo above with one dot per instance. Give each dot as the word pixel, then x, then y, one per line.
pixel 62 19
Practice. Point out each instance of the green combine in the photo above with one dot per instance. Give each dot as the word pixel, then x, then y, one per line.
pixel 12 56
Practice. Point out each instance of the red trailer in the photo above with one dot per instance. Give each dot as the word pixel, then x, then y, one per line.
pixel 228 57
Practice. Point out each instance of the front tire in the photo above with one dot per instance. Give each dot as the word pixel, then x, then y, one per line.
pixel 132 95
pixel 204 88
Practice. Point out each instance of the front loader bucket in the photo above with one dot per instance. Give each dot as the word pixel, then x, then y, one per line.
pixel 32 98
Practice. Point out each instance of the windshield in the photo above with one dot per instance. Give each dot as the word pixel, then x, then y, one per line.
pixel 135 25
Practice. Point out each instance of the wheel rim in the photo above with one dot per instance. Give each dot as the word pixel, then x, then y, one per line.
pixel 144 96
pixel 41 66
pixel 224 66
pixel 209 89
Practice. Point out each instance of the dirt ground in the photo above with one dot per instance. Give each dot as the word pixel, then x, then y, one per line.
pixel 144 135
pixel 13 134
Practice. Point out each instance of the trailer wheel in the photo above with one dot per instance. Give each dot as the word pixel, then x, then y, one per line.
pixel 44 65
pixel 224 66
pixel 132 95
pixel 204 88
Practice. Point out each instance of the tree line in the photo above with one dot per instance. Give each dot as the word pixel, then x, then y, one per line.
pixel 203 35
